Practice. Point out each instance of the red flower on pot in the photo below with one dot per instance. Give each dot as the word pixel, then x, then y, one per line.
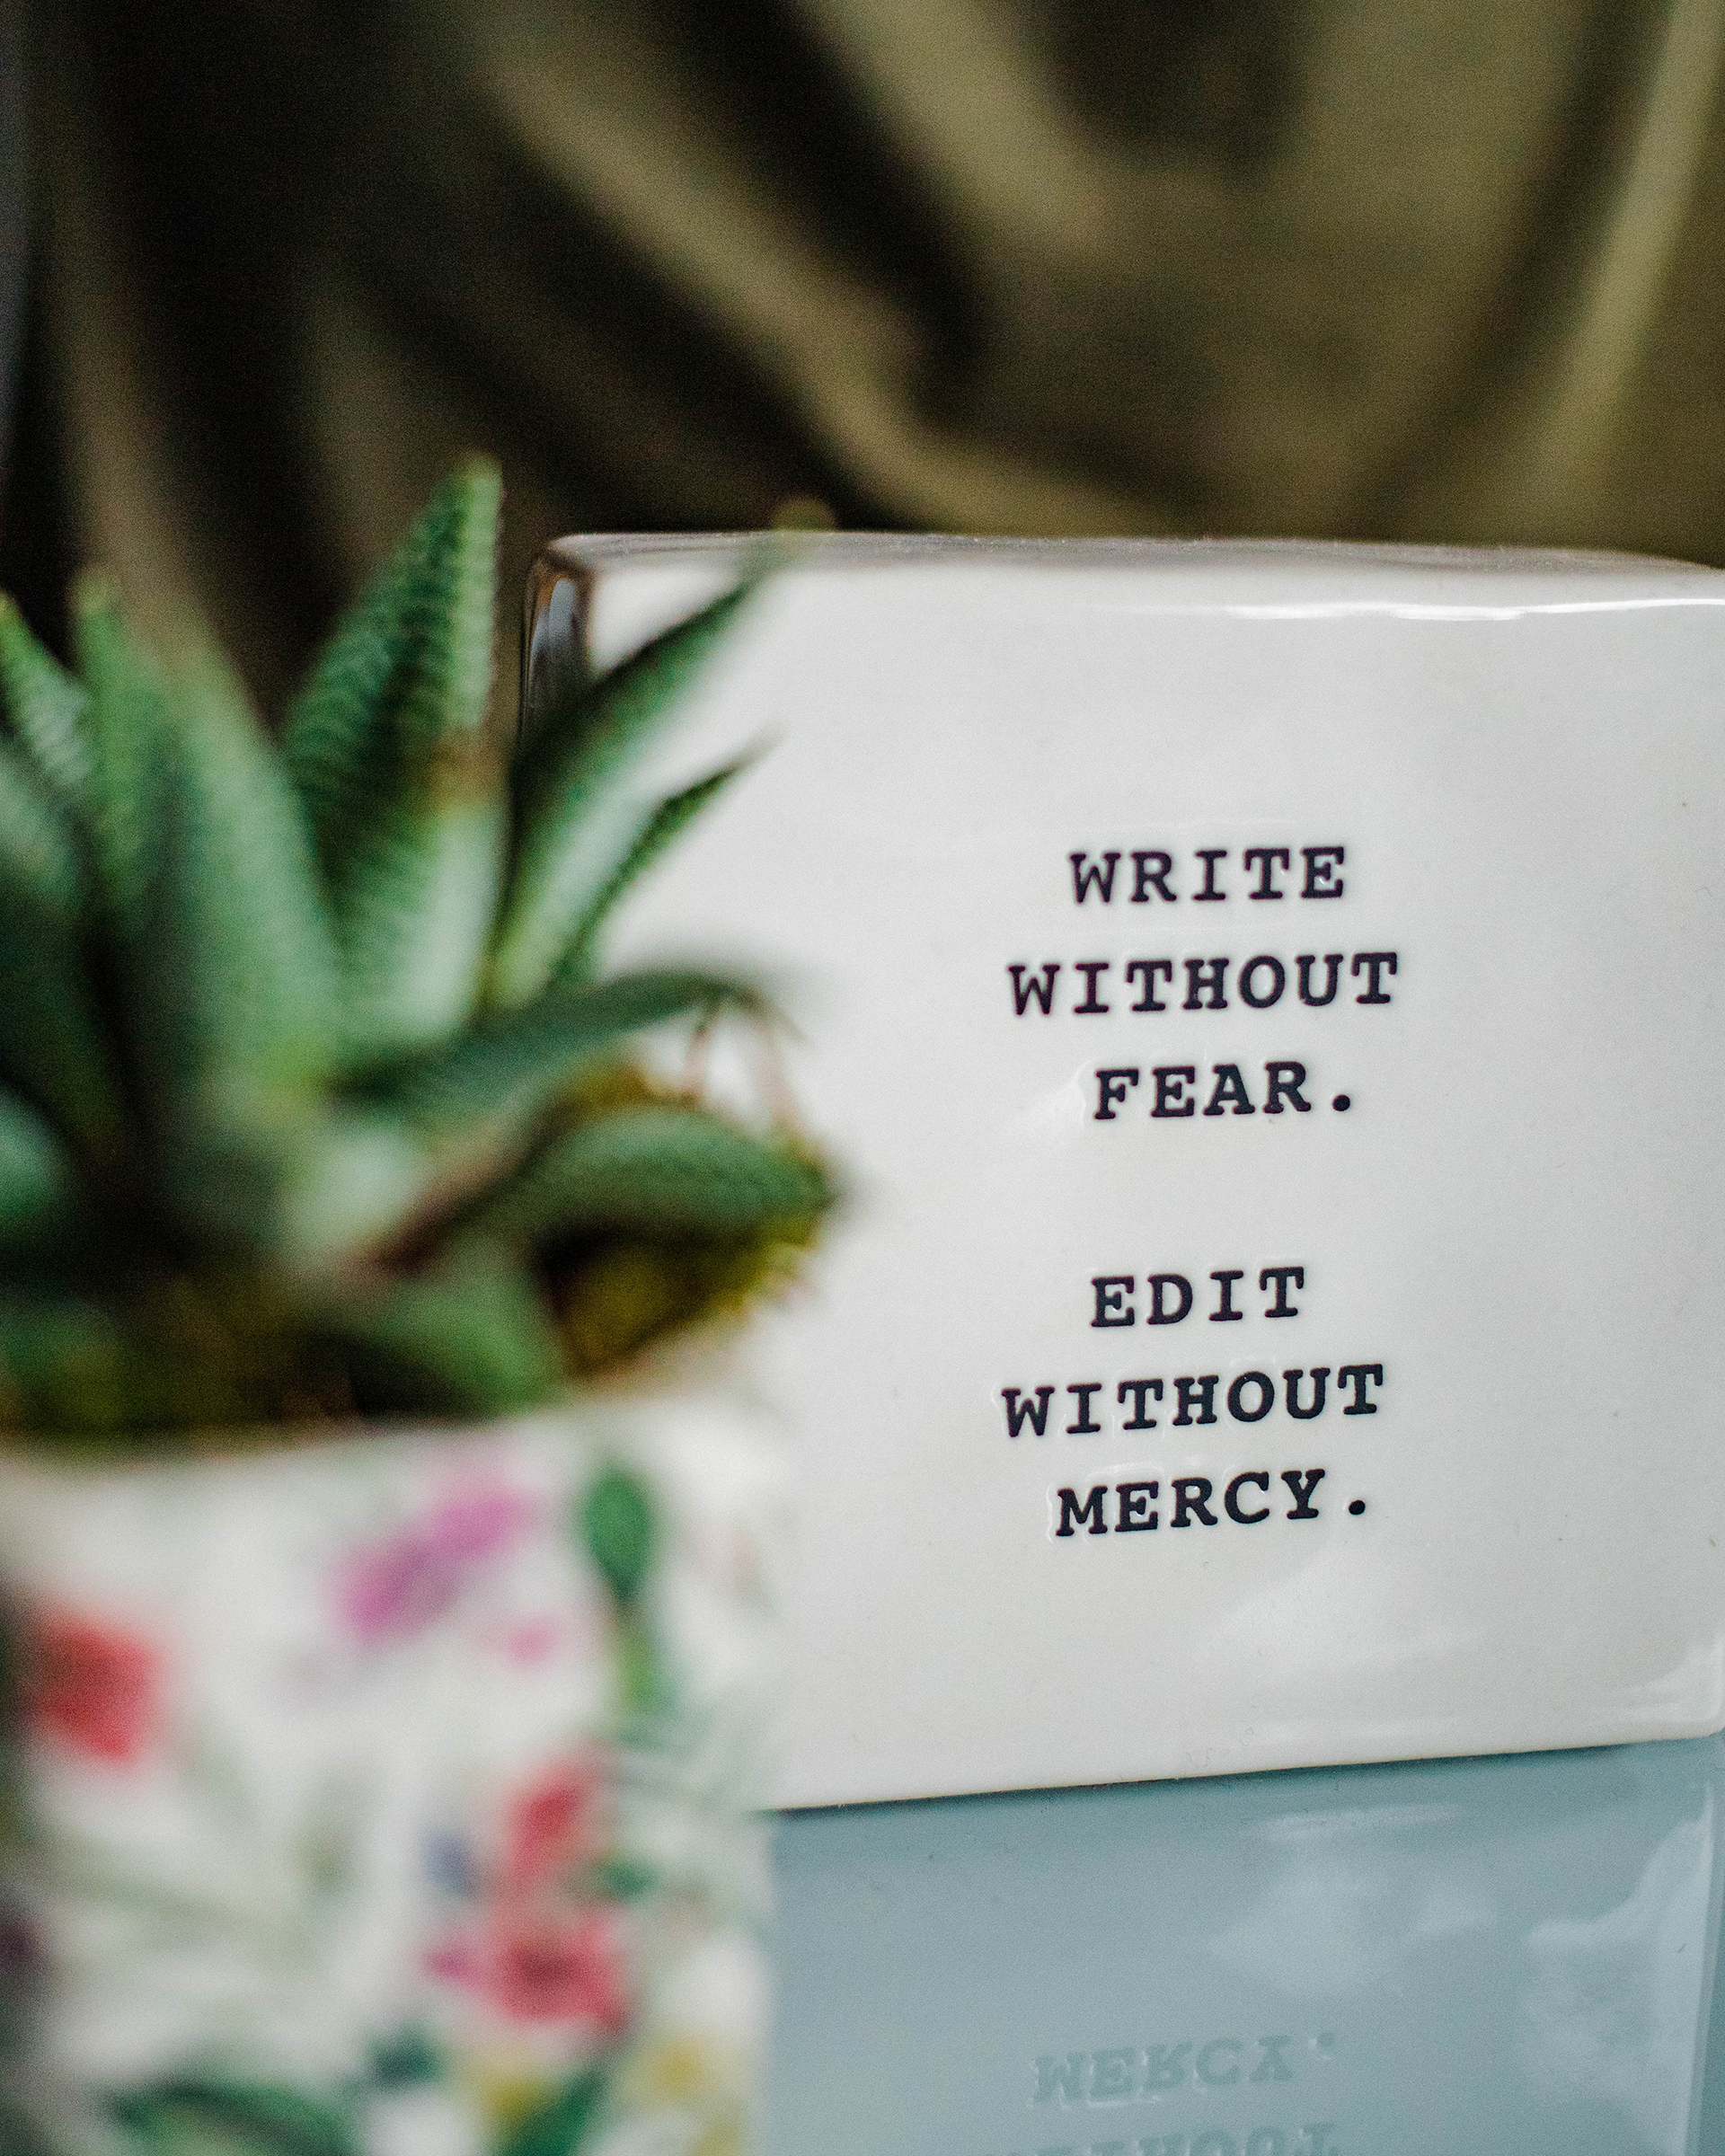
pixel 539 1965
pixel 540 1948
pixel 553 1824
pixel 91 1686
pixel 538 1968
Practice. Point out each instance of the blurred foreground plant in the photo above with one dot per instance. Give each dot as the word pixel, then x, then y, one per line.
pixel 311 1102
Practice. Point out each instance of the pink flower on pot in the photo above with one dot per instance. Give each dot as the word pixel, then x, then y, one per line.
pixel 393 1589
pixel 91 1686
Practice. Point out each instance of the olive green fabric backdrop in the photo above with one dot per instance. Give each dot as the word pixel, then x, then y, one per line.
pixel 1437 270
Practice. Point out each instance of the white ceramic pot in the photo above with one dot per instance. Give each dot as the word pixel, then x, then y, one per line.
pixel 389 1796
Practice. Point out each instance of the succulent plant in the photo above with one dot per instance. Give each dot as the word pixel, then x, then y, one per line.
pixel 313 1100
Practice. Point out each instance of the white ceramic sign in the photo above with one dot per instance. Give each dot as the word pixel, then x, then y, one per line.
pixel 1271 1002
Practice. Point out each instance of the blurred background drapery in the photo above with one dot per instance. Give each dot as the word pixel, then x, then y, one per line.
pixel 1431 269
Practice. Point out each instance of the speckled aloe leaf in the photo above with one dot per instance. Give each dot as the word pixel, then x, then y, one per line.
pixel 127 719
pixel 387 747
pixel 473 1336
pixel 659 1171
pixel 229 968
pixel 665 824
pixel 506 1066
pixel 222 2118
pixel 575 829
pixel 51 1039
pixel 48 709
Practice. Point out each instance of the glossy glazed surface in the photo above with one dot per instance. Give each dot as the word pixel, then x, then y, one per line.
pixel 1470 1957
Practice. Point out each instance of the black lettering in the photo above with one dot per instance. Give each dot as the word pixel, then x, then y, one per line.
pixel 1281 1275
pixel 1319 1380
pixel 1198 1390
pixel 1266 1396
pixel 1085 1427
pixel 1090 1510
pixel 1146 970
pixel 1265 856
pixel 1040 991
pixel 1159 1313
pixel 1376 962
pixel 1146 879
pixel 1225 1311
pixel 1191 1500
pixel 1136 1516
pixel 1020 1410
pixel 1111 1291
pixel 1139 1387
pixel 1171 1079
pixel 1210 856
pixel 1088 875
pixel 1090 969
pixel 1286 1079
pixel 1111 1086
pixel 1333 975
pixel 1206 978
pixel 1300 1488
pixel 1230 1091
pixel 1231 1497
pixel 1278 979
pixel 1164 2066
pixel 1321 865
pixel 1359 1375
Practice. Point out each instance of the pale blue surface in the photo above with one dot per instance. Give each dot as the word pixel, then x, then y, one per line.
pixel 1466 1957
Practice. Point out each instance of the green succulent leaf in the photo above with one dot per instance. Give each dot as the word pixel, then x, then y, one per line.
pixel 51 1040
pixel 659 1171
pixel 575 830
pixel 48 708
pixel 38 1186
pixel 265 1152
pixel 562 2123
pixel 225 2119
pixel 386 745
pixel 127 719
pixel 473 1338
pixel 666 823
pixel 230 996
pixel 506 1067
pixel 351 1179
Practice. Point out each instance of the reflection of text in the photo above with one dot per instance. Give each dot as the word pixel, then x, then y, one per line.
pixel 1134 2071
pixel 1315 2140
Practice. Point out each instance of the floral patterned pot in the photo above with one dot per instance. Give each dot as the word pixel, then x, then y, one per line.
pixel 389 1796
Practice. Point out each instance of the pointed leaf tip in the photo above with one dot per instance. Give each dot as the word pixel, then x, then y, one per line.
pixel 576 828
pixel 386 746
